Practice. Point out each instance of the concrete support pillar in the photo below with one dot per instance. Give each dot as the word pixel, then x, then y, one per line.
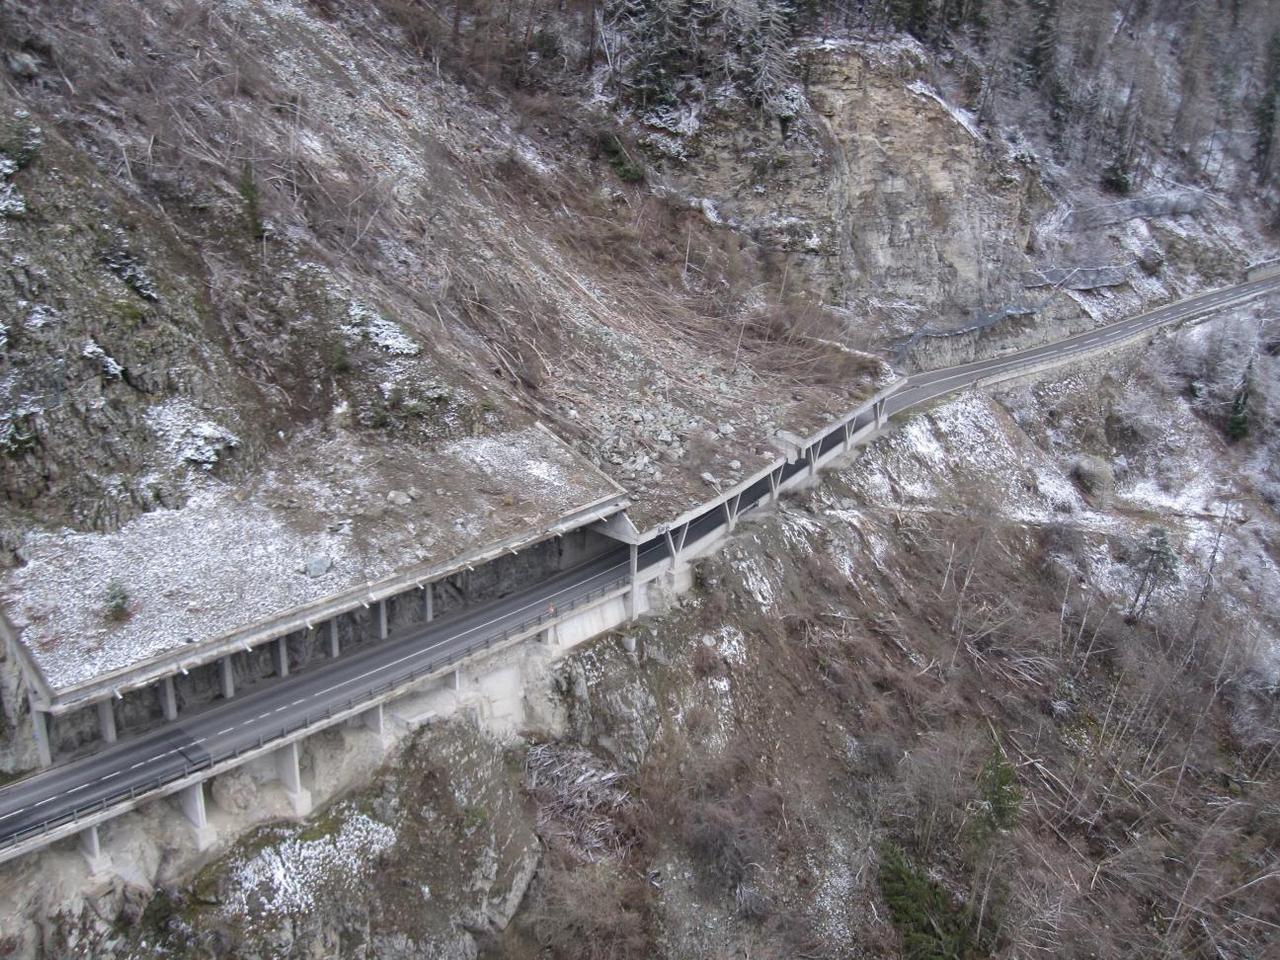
pixel 91 847
pixel 168 698
pixel 812 456
pixel 731 511
pixel 191 799
pixel 633 596
pixel 382 619
pixel 280 654
pixel 877 411
pixel 775 484
pixel 847 443
pixel 335 645
pixel 40 729
pixel 290 774
pixel 374 720
pixel 227 677
pixel 429 602
pixel 107 721
pixel 629 643
pixel 457 681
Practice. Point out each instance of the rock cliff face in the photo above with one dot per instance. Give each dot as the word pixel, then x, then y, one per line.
pixel 927 206
pixel 879 195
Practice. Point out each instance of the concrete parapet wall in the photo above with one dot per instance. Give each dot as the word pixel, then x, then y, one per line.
pixel 589 623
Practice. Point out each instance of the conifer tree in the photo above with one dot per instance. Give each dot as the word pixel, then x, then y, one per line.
pixel 1264 114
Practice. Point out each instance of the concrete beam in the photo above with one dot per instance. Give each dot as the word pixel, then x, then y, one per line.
pixel 91 847
pixel 227 677
pixel 107 720
pixel 618 526
pixel 168 698
pixel 191 801
pixel 633 596
pixel 280 656
pixel 335 645
pixel 290 774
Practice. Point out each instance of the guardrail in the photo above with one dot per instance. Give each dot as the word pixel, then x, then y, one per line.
pixel 401 679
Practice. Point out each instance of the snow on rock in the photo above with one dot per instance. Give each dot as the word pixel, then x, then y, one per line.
pixel 12 203
pixel 962 117
pixel 364 322
pixel 186 435
pixel 40 316
pixel 288 876
pixel 111 368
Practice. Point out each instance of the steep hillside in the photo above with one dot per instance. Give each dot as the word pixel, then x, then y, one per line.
pixel 892 713
pixel 300 292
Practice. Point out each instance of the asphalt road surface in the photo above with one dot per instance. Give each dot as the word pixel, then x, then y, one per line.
pixel 266 711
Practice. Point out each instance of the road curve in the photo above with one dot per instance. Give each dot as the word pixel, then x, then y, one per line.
pixel 923 387
pixel 219 731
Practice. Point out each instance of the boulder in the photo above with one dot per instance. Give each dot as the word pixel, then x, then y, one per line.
pixel 317 566
pixel 235 791
pixel 1096 478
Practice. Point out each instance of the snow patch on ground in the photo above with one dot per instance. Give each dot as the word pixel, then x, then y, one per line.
pixel 731 643
pixel 235 557
pixel 756 582
pixel 961 447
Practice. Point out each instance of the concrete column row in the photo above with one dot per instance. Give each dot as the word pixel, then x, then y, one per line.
pixel 193 804
pixel 166 689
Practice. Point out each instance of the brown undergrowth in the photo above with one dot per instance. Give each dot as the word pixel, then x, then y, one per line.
pixel 1027 774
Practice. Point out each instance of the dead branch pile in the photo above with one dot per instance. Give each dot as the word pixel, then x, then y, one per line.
pixel 583 805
